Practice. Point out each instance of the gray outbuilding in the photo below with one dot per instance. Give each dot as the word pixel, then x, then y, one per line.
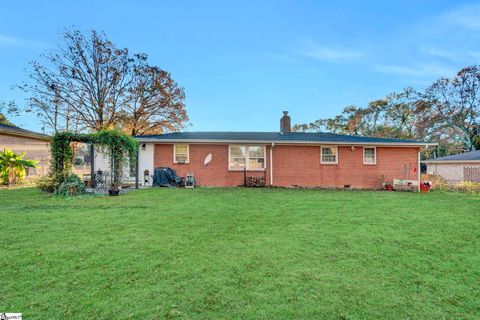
pixel 456 168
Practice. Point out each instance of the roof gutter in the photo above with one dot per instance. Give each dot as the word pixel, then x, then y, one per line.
pixel 271 163
pixel 26 134
pixel 283 142
pixel 451 161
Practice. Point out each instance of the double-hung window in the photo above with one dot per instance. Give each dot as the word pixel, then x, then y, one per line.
pixel 180 153
pixel 369 155
pixel 246 157
pixel 329 155
pixel 237 157
pixel 256 157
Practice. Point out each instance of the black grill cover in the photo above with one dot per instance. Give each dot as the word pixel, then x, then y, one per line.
pixel 165 177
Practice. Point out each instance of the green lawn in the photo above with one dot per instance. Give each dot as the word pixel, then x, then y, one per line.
pixel 240 253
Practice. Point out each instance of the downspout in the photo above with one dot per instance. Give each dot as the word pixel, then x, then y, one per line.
pixel 271 163
pixel 419 170
pixel 420 167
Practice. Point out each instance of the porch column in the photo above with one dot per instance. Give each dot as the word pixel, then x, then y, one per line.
pixel 271 163
pixel 92 165
pixel 136 170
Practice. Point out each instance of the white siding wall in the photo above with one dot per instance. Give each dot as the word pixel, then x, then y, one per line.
pixel 451 172
pixel 102 161
pixel 145 162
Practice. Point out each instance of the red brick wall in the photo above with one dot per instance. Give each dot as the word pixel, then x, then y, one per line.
pixel 300 165
pixel 297 165
pixel 216 173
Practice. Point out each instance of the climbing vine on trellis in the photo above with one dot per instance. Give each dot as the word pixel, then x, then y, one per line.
pixel 116 144
pixel 62 152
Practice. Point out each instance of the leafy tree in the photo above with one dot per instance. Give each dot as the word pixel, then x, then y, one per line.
pixel 447 112
pixel 10 109
pixel 156 103
pixel 401 114
pixel 348 122
pixel 455 104
pixel 300 127
pixel 4 120
pixel 393 116
pixel 372 117
pixel 476 142
pixel 13 166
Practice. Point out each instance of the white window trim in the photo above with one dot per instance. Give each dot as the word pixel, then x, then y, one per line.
pixel 247 156
pixel 175 151
pixel 329 162
pixel 230 158
pixel 375 153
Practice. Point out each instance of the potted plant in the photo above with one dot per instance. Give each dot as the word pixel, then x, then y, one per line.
pixel 114 189
pixel 385 185
pixel 115 180
pixel 425 186
pixel 382 180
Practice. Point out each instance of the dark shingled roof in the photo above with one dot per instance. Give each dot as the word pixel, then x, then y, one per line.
pixel 14 130
pixel 271 137
pixel 468 156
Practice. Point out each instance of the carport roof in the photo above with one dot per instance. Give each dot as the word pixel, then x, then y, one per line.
pixel 463 157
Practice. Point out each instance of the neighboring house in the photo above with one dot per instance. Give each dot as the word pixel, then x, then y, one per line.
pixel 284 158
pixel 35 145
pixel 456 168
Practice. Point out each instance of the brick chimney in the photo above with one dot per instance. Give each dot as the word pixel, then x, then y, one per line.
pixel 285 123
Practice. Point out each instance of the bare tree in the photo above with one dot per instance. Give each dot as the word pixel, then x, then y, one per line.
pixel 86 76
pixel 90 84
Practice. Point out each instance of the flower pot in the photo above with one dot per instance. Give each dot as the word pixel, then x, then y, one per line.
pixel 113 193
pixel 425 187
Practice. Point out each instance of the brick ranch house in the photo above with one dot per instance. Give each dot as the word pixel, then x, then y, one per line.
pixel 284 158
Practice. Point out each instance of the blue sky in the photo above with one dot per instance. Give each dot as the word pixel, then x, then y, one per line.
pixel 243 62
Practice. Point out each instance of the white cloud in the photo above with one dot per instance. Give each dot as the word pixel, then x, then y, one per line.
pixel 421 70
pixel 432 46
pixel 314 50
pixel 438 53
pixel 282 58
pixel 467 17
pixel 331 55
pixel 474 54
pixel 8 41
